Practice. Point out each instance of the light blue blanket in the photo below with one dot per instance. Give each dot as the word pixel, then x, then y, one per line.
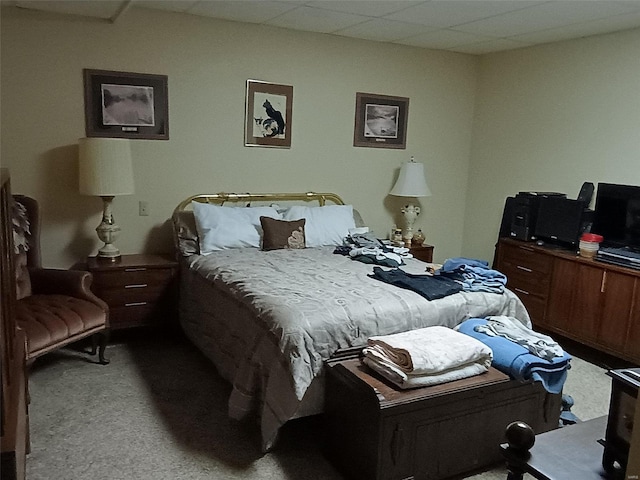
pixel 516 361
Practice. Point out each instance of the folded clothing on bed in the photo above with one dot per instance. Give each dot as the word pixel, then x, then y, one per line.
pixel 430 287
pixel 516 360
pixel 426 356
pixel 474 275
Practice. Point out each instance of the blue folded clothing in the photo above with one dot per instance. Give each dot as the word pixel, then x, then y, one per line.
pixel 516 361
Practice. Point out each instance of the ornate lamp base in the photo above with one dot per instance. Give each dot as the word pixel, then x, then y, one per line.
pixel 411 212
pixel 108 232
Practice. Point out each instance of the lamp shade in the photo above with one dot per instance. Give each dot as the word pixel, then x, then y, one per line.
pixel 411 181
pixel 104 167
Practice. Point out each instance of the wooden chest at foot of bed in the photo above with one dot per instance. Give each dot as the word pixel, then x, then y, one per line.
pixel 378 432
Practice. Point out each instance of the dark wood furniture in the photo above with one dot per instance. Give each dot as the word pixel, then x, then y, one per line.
pixel 569 453
pixel 592 302
pixel 423 252
pixel 13 401
pixel 625 384
pixel 376 431
pixel 139 289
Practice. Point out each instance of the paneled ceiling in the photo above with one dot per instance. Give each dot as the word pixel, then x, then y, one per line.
pixel 466 26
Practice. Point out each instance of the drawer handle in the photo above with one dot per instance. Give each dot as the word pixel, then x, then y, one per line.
pixel 135 304
pixel 524 292
pixel 525 269
pixel 137 285
pixel 138 269
pixel 528 249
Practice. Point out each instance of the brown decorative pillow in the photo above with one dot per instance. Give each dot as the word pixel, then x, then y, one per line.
pixel 282 234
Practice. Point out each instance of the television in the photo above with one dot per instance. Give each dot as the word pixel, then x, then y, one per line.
pixel 617 215
pixel 559 220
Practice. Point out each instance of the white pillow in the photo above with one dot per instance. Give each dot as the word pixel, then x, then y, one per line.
pixel 220 228
pixel 327 225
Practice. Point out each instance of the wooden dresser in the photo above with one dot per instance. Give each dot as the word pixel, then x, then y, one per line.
pixel 379 432
pixel 592 302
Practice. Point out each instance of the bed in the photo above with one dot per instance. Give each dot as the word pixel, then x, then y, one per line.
pixel 269 319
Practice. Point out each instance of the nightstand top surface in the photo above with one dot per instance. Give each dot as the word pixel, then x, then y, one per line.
pixel 134 260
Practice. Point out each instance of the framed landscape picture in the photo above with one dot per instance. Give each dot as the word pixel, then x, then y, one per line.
pixel 126 105
pixel 268 114
pixel 381 121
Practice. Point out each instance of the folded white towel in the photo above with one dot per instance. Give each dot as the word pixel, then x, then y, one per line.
pixel 413 381
pixel 428 351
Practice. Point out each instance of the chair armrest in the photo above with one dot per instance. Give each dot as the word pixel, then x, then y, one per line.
pixel 74 283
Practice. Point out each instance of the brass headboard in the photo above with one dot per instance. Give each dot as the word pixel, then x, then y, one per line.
pixel 248 198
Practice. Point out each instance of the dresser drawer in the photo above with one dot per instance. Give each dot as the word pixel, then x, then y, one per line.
pixel 526 260
pixel 536 305
pixel 526 281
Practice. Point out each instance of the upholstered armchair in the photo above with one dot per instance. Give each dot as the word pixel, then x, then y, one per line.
pixel 54 307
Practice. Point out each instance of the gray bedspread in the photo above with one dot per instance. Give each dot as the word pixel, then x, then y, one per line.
pixel 272 319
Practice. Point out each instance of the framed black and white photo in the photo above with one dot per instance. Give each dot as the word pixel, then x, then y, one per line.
pixel 126 105
pixel 381 121
pixel 268 119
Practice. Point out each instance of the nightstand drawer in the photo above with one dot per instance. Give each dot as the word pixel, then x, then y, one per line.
pixel 134 293
pixel 133 277
pixel 139 289
pixel 132 315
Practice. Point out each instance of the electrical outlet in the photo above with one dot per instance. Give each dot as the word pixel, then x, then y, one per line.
pixel 143 208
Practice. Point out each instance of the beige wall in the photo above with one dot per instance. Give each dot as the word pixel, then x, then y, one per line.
pixel 208 62
pixel 543 118
pixel 548 119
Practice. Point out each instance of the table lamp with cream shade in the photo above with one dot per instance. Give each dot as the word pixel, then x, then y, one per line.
pixel 105 170
pixel 411 183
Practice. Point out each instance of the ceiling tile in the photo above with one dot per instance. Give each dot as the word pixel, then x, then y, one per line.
pixel 447 13
pixel 251 11
pixel 442 39
pixel 382 30
pixel 169 5
pixel 548 15
pixel 97 9
pixel 316 20
pixel 370 8
pixel 595 27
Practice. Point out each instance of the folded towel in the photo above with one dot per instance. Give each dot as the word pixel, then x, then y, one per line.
pixel 438 354
pixel 414 381
pixel 516 360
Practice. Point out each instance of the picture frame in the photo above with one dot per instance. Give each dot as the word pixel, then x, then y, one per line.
pixel 268 114
pixel 126 105
pixel 380 121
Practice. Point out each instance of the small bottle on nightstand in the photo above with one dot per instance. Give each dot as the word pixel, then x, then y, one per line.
pixel 418 238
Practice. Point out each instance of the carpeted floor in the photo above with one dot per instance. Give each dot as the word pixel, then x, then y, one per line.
pixel 158 412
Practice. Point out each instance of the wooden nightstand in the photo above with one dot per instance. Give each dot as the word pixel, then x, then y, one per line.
pixel 139 289
pixel 423 252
